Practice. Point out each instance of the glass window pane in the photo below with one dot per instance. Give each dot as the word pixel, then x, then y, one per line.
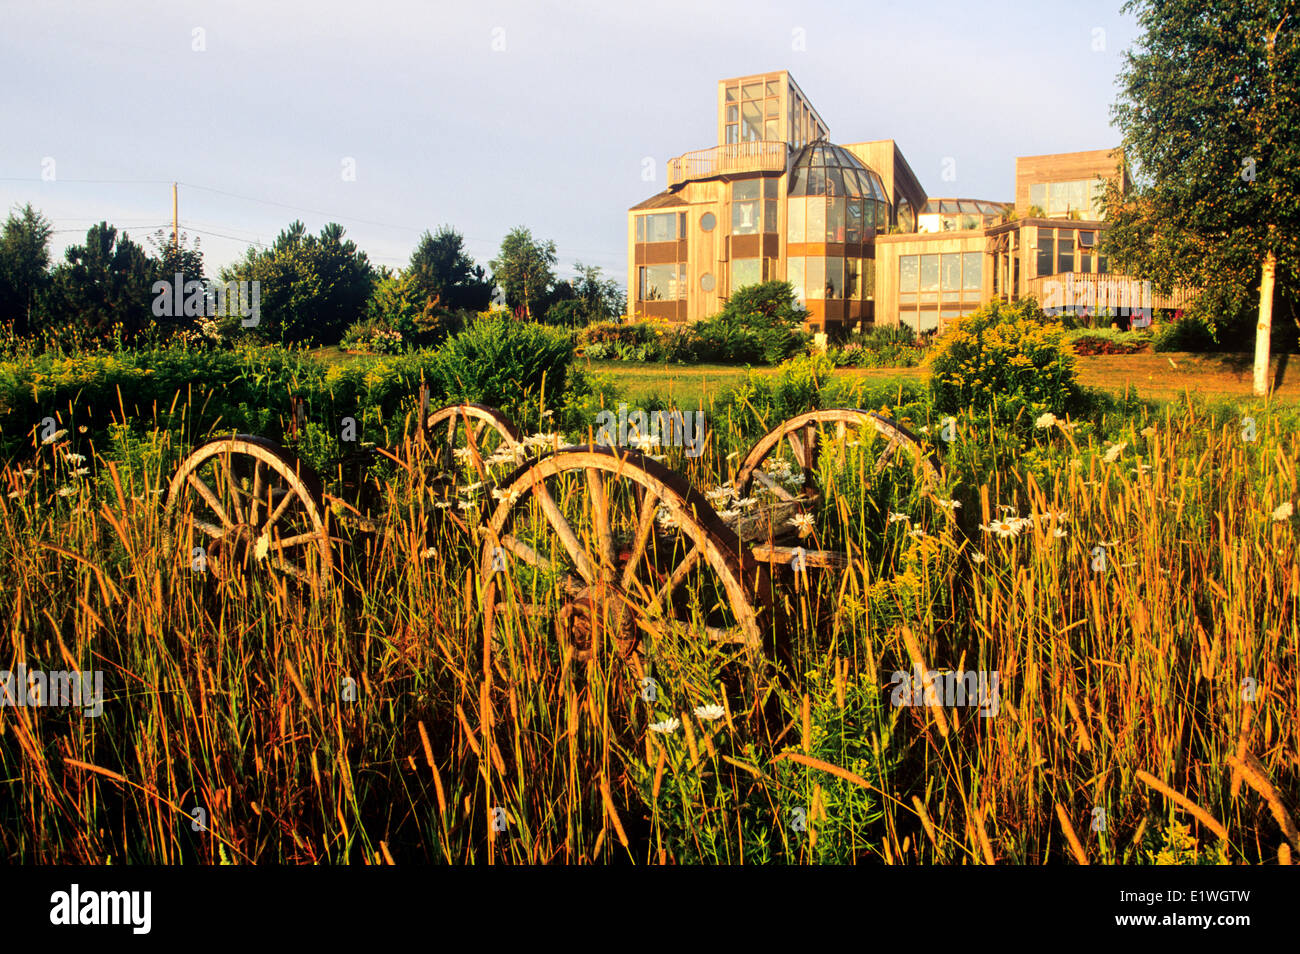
pixel 853 220
pixel 950 271
pixel 770 107
pixel 745 271
pixel 1080 201
pixel 744 189
pixel 640 228
pixel 773 88
pixel 733 114
pixel 868 279
pixel 731 94
pixel 1038 195
pixel 752 91
pixel 769 215
pixel 815 276
pixel 751 124
pixel 1058 196
pixel 794 224
pixel 834 277
pixel 907 273
pixel 770 187
pixel 661 227
pixel 972 270
pixel 733 135
pixel 661 283
pixel 794 274
pixel 851 266
pixel 817 220
pixel 835 220
pixel 770 130
pixel 1046 252
pixel 1065 252
pixel 929 273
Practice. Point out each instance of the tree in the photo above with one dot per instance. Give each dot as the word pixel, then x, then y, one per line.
pixel 312 287
pixel 1210 111
pixel 24 264
pixel 524 269
pixel 587 298
pixel 445 275
pixel 105 282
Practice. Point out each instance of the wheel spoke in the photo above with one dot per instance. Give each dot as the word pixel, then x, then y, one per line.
pixel 236 508
pixel 257 492
pixel 600 516
pixel 564 531
pixel 204 491
pixel 280 508
pixel 644 526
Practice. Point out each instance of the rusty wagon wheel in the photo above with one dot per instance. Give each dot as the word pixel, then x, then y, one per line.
pixel 475 438
pixel 243 503
pixel 605 547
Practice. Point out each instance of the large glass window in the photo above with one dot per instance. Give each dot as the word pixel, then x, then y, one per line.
pixel 794 221
pixel 816 219
pixel 972 277
pixel 835 277
pixel 950 276
pixel 815 276
pixel 853 220
pixel 908 277
pixel 929 273
pixel 1065 251
pixel 794 274
pixel 744 207
pixel 1046 252
pixel 662 227
pixel 1059 199
pixel 835 219
pixel 746 271
pixel 1038 195
pixel 662 282
pixel 851 268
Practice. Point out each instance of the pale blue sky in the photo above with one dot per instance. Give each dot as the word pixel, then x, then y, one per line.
pixel 549 131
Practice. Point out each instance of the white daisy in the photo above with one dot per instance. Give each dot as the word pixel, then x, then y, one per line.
pixel 667 727
pixel 75 458
pixel 899 518
pixel 803 522
pixel 1112 455
pixel 709 713
pixel 1045 421
pixel 1283 512
pixel 66 491
pixel 949 504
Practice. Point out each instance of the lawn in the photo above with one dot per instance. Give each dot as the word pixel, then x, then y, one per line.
pixel 1151 376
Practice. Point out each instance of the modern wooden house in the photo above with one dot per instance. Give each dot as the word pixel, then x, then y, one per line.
pixel 852 229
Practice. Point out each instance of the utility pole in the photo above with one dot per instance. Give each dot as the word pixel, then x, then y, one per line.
pixel 176 228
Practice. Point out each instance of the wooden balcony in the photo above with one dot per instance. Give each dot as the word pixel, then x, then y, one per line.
pixel 739 158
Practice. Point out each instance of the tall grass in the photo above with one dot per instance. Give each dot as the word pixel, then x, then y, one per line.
pixel 372 725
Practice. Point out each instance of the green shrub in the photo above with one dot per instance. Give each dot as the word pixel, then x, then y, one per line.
pixel 1185 334
pixel 759 323
pixel 884 346
pixel 1007 360
pixel 501 361
pixel 373 336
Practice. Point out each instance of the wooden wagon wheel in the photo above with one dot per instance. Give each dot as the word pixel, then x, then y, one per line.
pixel 806 435
pixel 608 545
pixel 242 503
pixel 475 437
pixel 803 434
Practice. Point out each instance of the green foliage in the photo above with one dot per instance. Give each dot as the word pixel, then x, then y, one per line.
pixel 1210 111
pixel 373 336
pixel 1185 334
pixel 525 270
pixel 500 361
pixel 24 258
pixel 1089 341
pixel 759 323
pixel 885 346
pixel 312 287
pixel 1004 360
pixel 443 275
pixel 104 284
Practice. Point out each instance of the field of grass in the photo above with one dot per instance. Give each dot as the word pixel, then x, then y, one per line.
pixel 1132 579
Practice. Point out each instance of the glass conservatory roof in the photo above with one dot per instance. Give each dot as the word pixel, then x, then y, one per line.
pixel 964 206
pixel 821 168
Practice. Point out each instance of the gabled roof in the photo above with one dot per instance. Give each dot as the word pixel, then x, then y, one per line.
pixel 664 200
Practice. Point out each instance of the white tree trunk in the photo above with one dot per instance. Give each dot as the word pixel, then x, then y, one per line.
pixel 1264 328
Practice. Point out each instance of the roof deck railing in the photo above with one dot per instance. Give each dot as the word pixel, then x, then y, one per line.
pixel 737 158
